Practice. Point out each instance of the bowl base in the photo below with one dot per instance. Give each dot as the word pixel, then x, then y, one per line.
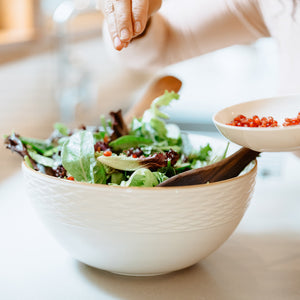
pixel 140 274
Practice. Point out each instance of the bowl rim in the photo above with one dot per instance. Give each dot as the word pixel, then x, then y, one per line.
pixel 260 129
pixel 164 188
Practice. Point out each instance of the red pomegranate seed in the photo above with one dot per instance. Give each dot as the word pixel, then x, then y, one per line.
pixel 292 121
pixel 107 153
pixel 255 121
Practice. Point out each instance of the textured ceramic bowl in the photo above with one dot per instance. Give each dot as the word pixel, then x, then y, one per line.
pixel 140 231
pixel 276 139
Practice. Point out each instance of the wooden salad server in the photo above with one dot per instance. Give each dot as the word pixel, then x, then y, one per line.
pixel 156 89
pixel 227 168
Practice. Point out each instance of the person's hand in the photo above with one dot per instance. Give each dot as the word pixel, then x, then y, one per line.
pixel 127 19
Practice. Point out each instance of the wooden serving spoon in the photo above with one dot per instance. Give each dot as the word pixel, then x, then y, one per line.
pixel 227 168
pixel 156 89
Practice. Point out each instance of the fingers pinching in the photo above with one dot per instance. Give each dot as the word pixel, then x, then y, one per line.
pixel 122 10
pixel 127 19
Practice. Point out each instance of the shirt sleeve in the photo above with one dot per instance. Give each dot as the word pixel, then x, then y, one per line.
pixel 185 29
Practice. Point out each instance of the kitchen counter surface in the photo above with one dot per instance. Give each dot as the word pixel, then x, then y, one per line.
pixel 261 260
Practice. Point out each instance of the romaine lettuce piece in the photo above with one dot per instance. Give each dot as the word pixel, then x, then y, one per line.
pixel 42 160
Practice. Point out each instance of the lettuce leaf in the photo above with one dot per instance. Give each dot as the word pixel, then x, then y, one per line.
pixel 163 100
pixel 43 147
pixel 78 158
pixel 152 124
pixel 142 178
pixel 42 160
pixel 129 141
pixel 99 173
pixel 61 128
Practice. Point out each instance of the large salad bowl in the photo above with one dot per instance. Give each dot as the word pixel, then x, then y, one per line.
pixel 136 230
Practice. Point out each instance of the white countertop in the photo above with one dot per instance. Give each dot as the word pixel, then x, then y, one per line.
pixel 261 260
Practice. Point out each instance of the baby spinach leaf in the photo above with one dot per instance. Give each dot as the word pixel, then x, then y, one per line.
pixel 169 170
pixel 129 141
pixel 99 173
pixel 117 177
pixel 78 156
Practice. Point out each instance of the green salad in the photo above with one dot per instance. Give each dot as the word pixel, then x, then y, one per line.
pixel 144 153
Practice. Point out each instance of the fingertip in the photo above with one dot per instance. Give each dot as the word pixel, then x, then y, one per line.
pixel 125 35
pixel 118 44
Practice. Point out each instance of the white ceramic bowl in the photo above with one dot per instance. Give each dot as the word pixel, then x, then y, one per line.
pixel 276 139
pixel 139 231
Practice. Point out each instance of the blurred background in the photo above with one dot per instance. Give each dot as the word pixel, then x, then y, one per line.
pixel 53 67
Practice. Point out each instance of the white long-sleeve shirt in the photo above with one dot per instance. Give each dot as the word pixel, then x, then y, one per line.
pixel 185 29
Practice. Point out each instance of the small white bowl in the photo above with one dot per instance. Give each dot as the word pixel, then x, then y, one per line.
pixel 270 139
pixel 140 231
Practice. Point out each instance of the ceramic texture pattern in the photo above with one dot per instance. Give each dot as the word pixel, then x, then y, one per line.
pixel 139 210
